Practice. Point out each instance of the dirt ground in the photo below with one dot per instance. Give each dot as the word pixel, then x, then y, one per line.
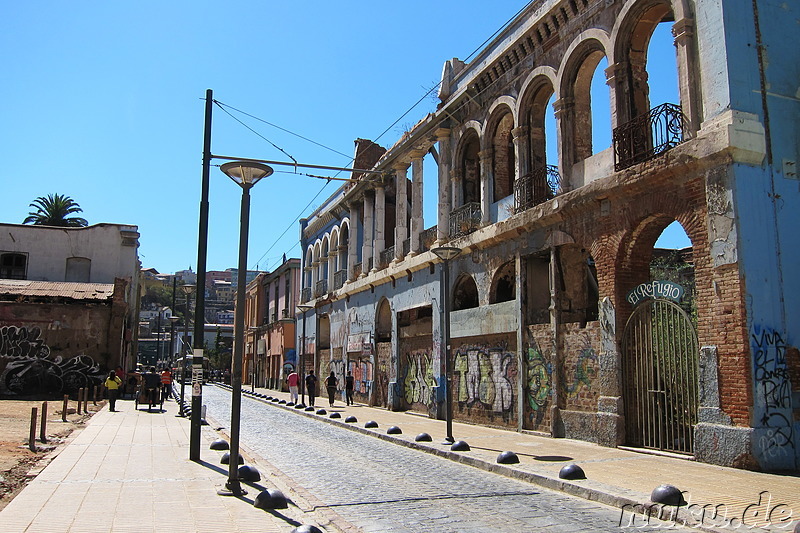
pixel 18 464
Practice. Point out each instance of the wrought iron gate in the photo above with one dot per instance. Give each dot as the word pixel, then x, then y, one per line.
pixel 661 356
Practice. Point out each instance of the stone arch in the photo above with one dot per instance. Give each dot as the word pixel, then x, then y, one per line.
pixel 465 293
pixel 383 321
pixel 333 254
pixel 503 288
pixel 537 91
pixel 468 167
pixel 498 141
pixel 574 107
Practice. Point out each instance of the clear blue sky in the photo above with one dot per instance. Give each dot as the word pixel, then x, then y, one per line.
pixel 102 101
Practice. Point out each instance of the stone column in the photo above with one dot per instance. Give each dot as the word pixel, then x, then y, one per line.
pixel 521 151
pixel 683 31
pixel 486 185
pixel 610 421
pixel 401 210
pixel 352 242
pixel 417 223
pixel 456 188
pixel 380 223
pixel 366 247
pixel 564 109
pixel 615 79
pixel 444 207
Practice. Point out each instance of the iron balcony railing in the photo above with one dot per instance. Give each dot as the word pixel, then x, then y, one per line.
pixel 427 238
pixel 386 257
pixel 339 277
pixel 538 186
pixel 465 219
pixel 648 135
pixel 321 288
pixel 305 294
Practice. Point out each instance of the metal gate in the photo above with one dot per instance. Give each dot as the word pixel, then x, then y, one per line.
pixel 661 356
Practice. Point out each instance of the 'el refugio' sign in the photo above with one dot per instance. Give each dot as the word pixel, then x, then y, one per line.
pixel 655 289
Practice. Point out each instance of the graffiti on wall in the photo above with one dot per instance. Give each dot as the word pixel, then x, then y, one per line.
pixel 584 371
pixel 486 377
pixel 418 381
pixel 773 392
pixel 362 375
pixel 336 366
pixel 31 371
pixel 537 383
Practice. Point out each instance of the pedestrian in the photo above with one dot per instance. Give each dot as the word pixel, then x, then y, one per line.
pixel 166 383
pixel 330 383
pixel 293 380
pixel 311 387
pixel 152 383
pixel 113 383
pixel 349 385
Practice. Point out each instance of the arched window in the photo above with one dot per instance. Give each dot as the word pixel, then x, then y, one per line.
pixel 78 269
pixel 470 170
pixel 504 284
pixel 503 159
pixel 465 293
pixel 383 322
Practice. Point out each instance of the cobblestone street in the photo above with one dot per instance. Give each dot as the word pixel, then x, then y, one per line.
pixel 380 486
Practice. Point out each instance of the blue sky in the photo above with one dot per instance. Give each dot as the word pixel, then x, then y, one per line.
pixel 103 101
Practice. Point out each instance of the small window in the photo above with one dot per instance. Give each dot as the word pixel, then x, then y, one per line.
pixel 465 293
pixel 78 269
pixel 13 266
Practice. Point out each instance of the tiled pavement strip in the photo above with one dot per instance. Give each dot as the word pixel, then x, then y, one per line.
pixel 129 471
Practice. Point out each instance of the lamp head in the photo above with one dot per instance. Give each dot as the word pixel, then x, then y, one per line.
pixel 446 253
pixel 188 288
pixel 245 173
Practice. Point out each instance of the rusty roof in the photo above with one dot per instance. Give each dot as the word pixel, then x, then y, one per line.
pixel 56 289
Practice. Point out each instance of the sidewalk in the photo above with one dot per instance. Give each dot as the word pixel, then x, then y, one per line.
pixel 621 478
pixel 129 471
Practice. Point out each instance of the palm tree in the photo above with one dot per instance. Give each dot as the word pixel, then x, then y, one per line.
pixel 54 210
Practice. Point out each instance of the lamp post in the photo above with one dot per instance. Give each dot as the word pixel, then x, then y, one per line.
pixel 173 346
pixel 446 253
pixel 300 363
pixel 246 174
pixel 187 290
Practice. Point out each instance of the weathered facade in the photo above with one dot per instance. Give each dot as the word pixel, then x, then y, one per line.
pixel 69 305
pixel 270 326
pixel 556 322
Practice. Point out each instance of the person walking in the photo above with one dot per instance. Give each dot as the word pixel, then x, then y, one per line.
pixel 113 383
pixel 330 383
pixel 311 387
pixel 349 385
pixel 166 383
pixel 152 383
pixel 293 380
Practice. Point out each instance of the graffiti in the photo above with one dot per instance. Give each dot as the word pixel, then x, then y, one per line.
pixel 418 383
pixel 537 383
pixel 486 378
pixel 773 392
pixel 30 371
pixel 362 376
pixel 22 343
pixel 584 371
pixel 336 366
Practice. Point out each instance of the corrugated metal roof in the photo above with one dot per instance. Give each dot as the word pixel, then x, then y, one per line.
pixel 57 289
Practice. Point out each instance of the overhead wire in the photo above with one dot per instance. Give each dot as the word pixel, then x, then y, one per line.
pixel 223 106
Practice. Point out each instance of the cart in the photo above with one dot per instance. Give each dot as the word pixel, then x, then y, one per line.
pixel 149 393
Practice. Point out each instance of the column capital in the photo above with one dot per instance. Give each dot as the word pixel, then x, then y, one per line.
pixel 683 30
pixel 401 165
pixel 485 155
pixel 442 134
pixel 562 105
pixel 417 154
pixel 519 131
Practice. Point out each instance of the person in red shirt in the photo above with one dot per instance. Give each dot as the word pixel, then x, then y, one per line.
pixel 293 380
pixel 166 383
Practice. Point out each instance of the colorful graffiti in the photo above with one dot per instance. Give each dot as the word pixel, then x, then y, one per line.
pixel 418 382
pixel 584 371
pixel 31 371
pixel 486 377
pixel 537 383
pixel 773 394
pixel 362 376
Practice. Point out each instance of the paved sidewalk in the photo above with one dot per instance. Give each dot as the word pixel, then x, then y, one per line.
pixel 128 471
pixel 718 498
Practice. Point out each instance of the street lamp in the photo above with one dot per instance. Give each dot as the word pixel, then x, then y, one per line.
pixel 246 174
pixel 300 363
pixel 446 253
pixel 173 346
pixel 187 289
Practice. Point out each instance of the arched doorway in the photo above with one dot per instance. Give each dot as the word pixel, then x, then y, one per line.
pixel 661 355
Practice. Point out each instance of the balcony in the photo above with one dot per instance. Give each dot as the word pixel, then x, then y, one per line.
pixel 285 313
pixel 648 135
pixel 339 277
pixel 465 219
pixel 386 257
pixel 536 187
pixel 305 294
pixel 321 288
